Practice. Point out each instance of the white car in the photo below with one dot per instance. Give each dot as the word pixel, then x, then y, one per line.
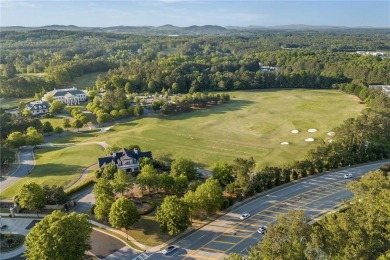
pixel 245 216
pixel 262 230
pixel 168 250
pixel 348 176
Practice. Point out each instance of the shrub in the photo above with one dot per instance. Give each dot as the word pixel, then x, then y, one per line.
pixel 79 187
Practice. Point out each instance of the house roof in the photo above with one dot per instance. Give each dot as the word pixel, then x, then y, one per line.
pixel 123 154
pixel 37 105
pixel 65 91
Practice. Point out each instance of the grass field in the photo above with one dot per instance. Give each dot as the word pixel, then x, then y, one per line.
pixel 253 124
pixel 83 82
pixel 54 121
pixel 13 102
pixel 147 231
pixel 58 166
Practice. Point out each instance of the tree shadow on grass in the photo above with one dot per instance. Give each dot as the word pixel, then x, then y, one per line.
pixel 221 109
pixel 150 227
pixel 56 170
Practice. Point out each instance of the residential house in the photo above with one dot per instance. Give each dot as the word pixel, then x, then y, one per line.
pixel 385 88
pixel 266 68
pixel 38 107
pixel 125 159
pixel 68 96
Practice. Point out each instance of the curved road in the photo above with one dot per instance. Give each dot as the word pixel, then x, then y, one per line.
pixel 26 164
pixel 315 194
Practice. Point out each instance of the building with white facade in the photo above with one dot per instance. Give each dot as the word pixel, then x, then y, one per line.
pixel 38 107
pixel 68 96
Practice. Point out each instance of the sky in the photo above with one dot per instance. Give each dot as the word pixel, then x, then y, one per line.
pixel 100 13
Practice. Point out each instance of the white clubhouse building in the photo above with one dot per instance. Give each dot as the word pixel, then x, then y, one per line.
pixel 68 96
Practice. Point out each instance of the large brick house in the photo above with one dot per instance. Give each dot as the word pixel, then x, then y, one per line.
pixel 68 96
pixel 125 159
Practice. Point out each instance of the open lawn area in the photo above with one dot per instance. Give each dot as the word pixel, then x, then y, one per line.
pixel 83 82
pixel 13 102
pixel 54 121
pixel 58 166
pixel 253 124
pixel 147 231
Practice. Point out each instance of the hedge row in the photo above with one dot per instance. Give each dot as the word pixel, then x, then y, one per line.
pixel 80 187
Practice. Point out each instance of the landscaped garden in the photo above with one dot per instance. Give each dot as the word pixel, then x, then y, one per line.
pixel 10 242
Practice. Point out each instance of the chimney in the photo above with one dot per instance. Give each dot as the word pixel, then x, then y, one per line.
pixel 135 150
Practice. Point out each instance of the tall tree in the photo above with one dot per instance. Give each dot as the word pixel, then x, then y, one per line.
pixel 59 236
pixel 33 137
pixel 209 196
pixel 148 178
pixel 138 110
pixel 123 214
pixel 103 206
pixel 223 172
pixel 122 181
pixel 103 187
pixel 31 196
pixel 173 215
pixel 16 139
pixel 66 122
pixel 182 166
pixel 47 128
pixel 58 130
pixel 287 239
pixel 77 124
pixel 109 171
pixel 56 106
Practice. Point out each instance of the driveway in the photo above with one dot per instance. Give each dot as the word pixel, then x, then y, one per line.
pixel 27 163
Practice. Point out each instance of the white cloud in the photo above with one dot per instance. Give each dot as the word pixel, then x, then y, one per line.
pixel 17 4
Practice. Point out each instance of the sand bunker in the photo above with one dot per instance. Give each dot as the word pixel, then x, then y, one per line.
pixel 294 131
pixel 309 139
pixel 284 143
pixel 312 130
pixel 331 133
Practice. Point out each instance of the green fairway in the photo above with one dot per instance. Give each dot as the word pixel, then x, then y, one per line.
pixel 58 166
pixel 253 124
pixel 83 82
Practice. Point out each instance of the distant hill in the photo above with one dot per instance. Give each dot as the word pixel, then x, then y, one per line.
pixel 169 29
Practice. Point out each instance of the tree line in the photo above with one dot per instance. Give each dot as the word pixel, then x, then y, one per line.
pixel 359 231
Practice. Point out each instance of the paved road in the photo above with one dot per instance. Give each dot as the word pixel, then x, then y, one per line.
pixel 27 163
pixel 228 234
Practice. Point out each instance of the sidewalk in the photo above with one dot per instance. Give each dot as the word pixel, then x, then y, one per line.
pixel 16 226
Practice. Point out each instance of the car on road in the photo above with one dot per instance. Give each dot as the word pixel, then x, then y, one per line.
pixel 168 250
pixel 245 216
pixel 348 175
pixel 262 230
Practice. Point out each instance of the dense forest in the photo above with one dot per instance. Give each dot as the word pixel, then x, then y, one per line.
pixel 187 64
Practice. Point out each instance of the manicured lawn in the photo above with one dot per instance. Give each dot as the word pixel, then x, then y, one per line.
pixel 79 137
pixel 54 121
pixel 147 231
pixel 13 102
pixel 87 80
pixel 58 166
pixel 253 124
